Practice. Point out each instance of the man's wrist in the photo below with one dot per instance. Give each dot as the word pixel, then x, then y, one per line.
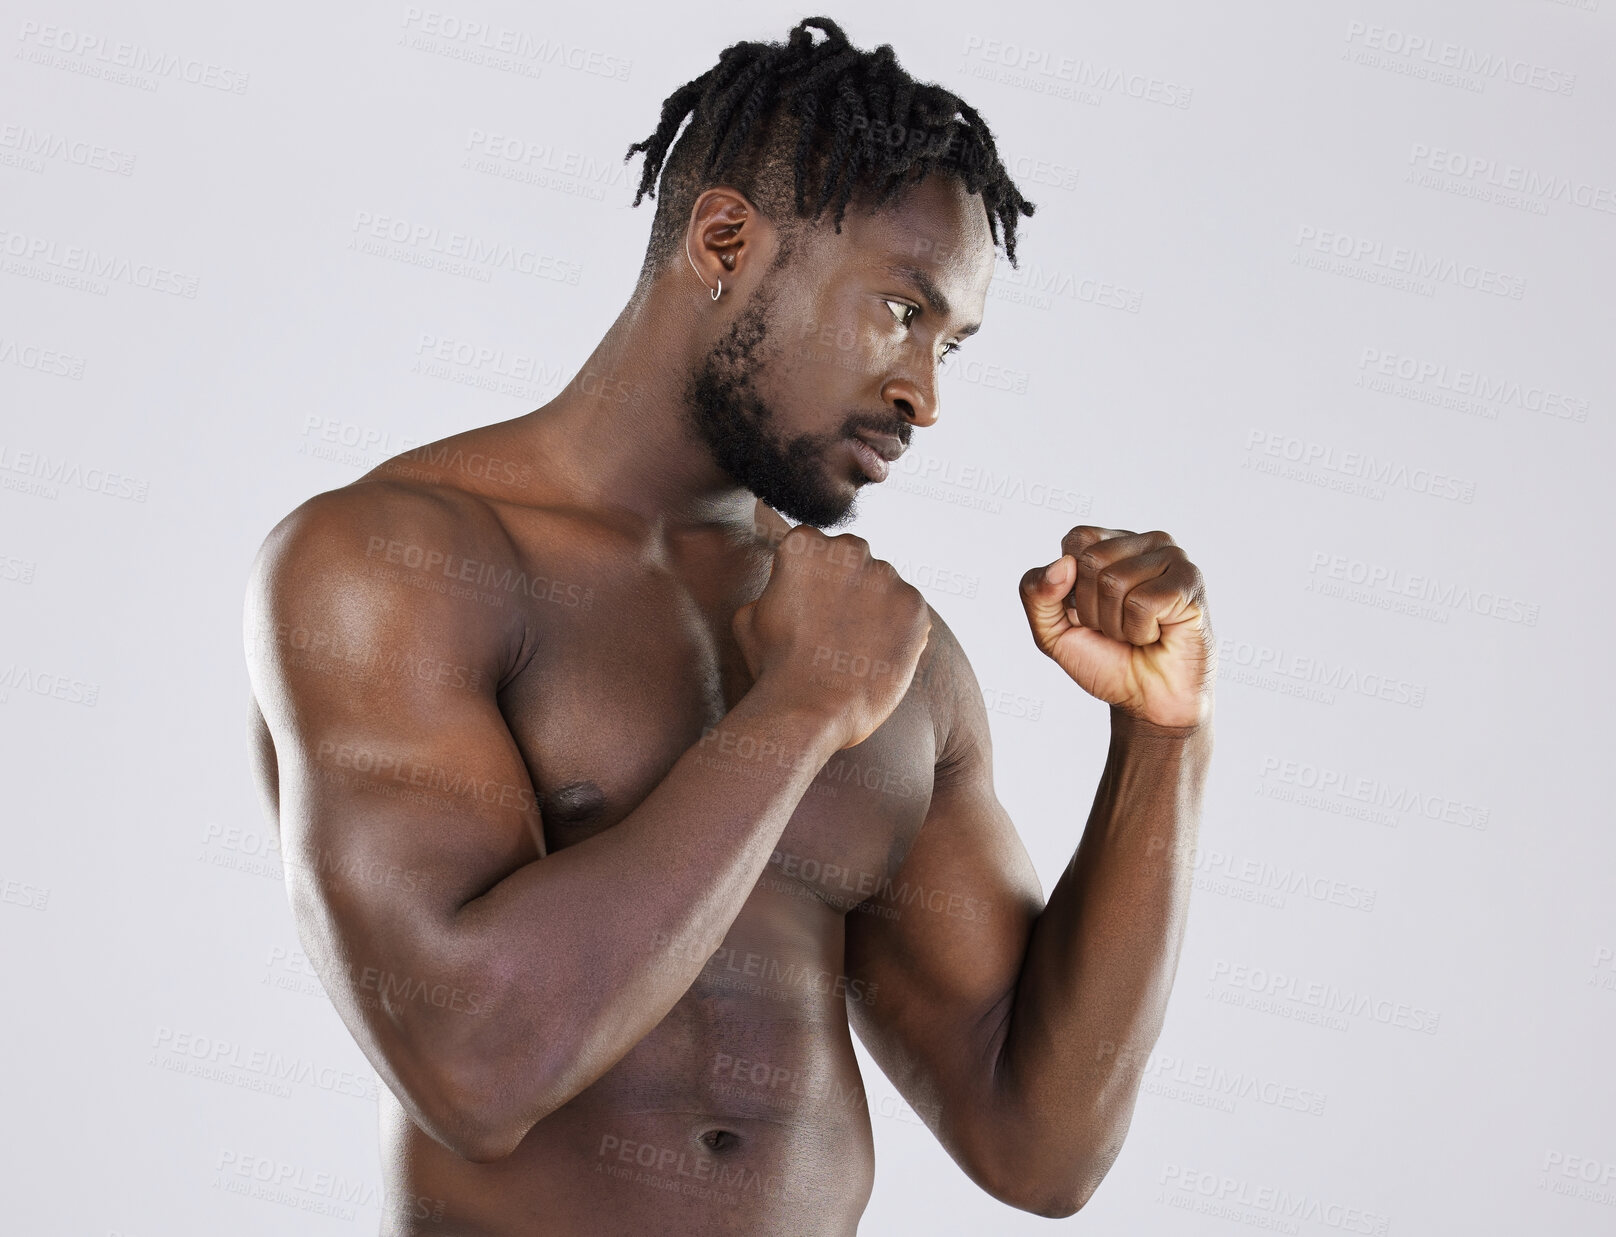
pixel 815 732
pixel 1134 727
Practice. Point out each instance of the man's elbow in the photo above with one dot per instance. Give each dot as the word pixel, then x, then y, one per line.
pixel 476 1144
pixel 1055 1200
pixel 469 1112
pixel 1056 1205
pixel 1053 1203
pixel 466 1125
pixel 1050 1192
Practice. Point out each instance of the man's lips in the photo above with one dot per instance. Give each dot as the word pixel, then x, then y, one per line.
pixel 875 452
pixel 869 459
pixel 887 446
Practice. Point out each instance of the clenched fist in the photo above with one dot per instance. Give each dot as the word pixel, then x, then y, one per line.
pixel 1125 615
pixel 834 630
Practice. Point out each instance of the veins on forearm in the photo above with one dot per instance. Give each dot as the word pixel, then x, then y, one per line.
pixel 1104 950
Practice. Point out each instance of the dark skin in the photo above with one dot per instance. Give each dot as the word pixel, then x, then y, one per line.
pixel 613 803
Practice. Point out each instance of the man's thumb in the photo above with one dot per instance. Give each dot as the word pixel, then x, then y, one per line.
pixel 1043 593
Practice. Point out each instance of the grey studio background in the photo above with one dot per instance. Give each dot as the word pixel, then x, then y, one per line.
pixel 1320 289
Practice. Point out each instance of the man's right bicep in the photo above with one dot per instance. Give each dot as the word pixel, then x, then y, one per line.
pixel 402 792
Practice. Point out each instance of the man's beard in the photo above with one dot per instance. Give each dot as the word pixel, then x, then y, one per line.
pixel 732 419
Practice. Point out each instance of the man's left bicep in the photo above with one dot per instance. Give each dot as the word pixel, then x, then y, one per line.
pixel 939 947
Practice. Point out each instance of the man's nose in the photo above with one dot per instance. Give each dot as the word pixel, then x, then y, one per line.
pixel 916 403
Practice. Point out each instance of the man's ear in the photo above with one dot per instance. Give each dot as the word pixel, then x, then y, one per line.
pixel 725 232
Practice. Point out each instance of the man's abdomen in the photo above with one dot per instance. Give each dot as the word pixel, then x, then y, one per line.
pixel 742 1112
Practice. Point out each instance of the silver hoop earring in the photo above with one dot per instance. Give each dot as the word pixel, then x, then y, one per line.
pixel 692 261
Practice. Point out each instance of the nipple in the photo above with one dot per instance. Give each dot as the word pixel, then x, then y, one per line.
pixel 573 803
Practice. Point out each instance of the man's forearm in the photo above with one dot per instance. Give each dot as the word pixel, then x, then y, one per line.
pixel 581 953
pixel 1099 969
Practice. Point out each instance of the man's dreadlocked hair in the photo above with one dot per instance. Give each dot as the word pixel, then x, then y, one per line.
pixel 782 120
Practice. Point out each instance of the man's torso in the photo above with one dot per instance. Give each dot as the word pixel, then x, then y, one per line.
pixel 743 1111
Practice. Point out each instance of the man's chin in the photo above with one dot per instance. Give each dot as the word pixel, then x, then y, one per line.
pixel 846 517
pixel 820 512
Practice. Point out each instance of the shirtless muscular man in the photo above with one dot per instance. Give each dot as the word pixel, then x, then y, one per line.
pixel 613 800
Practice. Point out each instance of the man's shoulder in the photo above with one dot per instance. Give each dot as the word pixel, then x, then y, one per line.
pixel 380 519
pixel 380 563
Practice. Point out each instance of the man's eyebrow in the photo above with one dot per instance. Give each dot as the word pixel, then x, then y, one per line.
pixel 930 291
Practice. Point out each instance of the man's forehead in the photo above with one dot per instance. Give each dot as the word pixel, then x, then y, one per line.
pixel 950 244
pixel 937 225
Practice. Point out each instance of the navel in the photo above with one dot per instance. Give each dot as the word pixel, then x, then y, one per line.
pixel 719 1140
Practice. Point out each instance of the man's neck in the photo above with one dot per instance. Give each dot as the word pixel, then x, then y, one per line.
pixel 618 436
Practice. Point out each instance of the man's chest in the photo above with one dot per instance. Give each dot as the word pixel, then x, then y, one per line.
pixel 642 668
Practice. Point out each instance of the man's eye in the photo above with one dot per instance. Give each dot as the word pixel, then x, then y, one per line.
pixel 906 316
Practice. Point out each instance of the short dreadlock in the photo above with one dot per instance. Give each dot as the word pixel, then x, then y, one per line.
pixel 778 120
